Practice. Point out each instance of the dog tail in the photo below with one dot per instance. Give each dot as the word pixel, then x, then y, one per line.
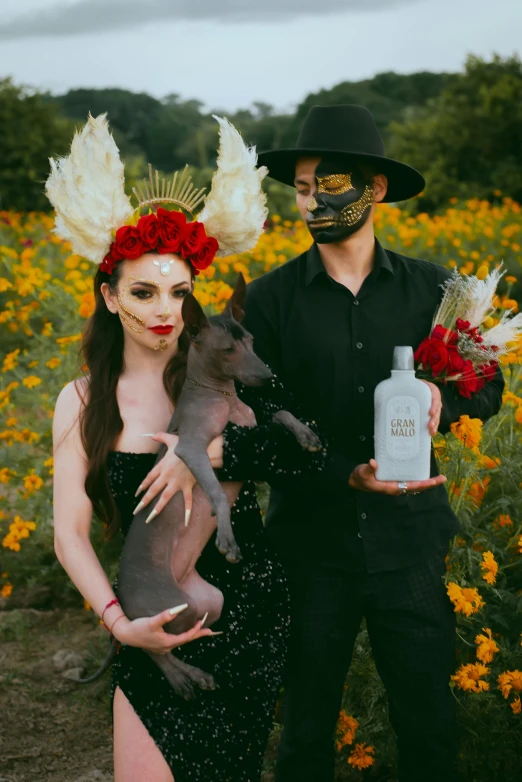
pixel 106 664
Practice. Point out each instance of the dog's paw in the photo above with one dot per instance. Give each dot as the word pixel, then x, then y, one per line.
pixel 226 545
pixel 308 440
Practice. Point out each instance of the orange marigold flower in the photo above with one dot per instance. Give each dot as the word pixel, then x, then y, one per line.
pixel 468 431
pixel 503 521
pixel 478 489
pixel 6 589
pixel 510 681
pixel 487 648
pixel 516 706
pixel 345 731
pixel 361 756
pixel 468 677
pixel 490 567
pixel 32 482
pixel 518 415
pixel 53 363
pixel 466 600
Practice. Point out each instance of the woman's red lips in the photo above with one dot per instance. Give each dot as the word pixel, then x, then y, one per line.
pixel 161 329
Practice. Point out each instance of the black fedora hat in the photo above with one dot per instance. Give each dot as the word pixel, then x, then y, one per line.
pixel 343 130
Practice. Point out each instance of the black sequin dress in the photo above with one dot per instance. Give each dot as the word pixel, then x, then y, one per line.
pixel 221 735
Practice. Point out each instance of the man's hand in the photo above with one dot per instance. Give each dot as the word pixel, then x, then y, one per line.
pixel 363 479
pixel 435 409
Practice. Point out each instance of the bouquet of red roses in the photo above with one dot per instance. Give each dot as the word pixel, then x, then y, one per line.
pixel 465 341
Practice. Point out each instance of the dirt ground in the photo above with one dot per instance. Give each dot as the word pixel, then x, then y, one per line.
pixel 52 729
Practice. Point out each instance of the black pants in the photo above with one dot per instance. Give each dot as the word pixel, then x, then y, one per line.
pixel 411 626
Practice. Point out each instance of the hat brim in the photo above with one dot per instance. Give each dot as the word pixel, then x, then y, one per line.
pixel 403 181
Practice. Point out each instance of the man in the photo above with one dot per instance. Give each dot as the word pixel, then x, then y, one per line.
pixel 353 547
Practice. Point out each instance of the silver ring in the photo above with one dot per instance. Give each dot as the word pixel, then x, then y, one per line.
pixel 402 487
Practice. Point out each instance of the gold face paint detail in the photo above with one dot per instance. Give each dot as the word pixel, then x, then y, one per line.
pixel 132 316
pixel 128 291
pixel 350 215
pixel 335 184
pixel 162 345
pixel 312 205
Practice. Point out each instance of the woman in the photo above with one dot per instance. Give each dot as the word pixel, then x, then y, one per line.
pixel 135 348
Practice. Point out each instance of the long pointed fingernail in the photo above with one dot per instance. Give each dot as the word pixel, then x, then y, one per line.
pixel 152 515
pixel 204 620
pixel 187 517
pixel 178 609
pixel 138 491
pixel 218 632
pixel 138 507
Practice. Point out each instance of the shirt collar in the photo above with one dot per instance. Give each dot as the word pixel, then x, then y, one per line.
pixel 314 264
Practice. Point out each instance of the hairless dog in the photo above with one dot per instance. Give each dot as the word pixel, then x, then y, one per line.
pixel 158 561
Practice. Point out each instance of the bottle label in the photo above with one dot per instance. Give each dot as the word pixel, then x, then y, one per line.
pixel 402 427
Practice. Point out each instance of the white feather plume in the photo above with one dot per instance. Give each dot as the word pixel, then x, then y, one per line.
pixel 87 191
pixel 235 209
pixel 508 329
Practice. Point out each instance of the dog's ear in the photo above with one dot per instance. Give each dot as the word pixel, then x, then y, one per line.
pixel 236 303
pixel 193 316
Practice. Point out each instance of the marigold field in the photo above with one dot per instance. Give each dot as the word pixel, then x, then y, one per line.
pixel 45 298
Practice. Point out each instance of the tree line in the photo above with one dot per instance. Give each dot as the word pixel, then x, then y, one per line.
pixel 463 131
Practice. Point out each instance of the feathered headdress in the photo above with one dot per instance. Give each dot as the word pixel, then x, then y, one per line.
pixel 96 216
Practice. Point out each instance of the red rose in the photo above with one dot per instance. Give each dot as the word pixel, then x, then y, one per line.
pixel 148 226
pixel 128 243
pixel 108 263
pixel 488 371
pixel 462 325
pixel 455 362
pixel 172 228
pixel 469 383
pixel 202 259
pixel 195 238
pixel 432 353
pixel 445 335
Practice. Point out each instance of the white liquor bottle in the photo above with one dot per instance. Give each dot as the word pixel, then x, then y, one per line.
pixel 402 439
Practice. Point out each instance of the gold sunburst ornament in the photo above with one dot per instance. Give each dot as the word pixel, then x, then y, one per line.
pixel 179 191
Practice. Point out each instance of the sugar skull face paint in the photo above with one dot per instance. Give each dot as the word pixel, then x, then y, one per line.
pixel 341 203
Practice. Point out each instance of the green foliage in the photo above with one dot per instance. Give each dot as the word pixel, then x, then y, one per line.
pixel 31 130
pixel 467 141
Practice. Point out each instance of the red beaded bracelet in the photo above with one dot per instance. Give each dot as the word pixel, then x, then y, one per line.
pixel 113 602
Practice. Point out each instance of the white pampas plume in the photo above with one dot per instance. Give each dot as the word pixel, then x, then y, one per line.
pixel 86 190
pixel 480 303
pixel 235 209
pixel 507 330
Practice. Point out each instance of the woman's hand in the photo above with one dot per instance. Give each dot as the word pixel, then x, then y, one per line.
pixel 147 632
pixel 363 479
pixel 169 476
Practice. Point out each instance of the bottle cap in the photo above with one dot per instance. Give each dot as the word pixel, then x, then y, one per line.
pixel 403 358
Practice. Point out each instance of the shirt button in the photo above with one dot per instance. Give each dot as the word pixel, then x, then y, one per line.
pixel 363 515
pixel 356 302
pixel 362 438
pixel 359 345
pixel 359 535
pixel 361 389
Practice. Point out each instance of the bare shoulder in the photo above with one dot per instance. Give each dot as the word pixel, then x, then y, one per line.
pixel 68 407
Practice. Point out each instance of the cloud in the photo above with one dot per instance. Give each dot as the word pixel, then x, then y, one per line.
pixel 106 16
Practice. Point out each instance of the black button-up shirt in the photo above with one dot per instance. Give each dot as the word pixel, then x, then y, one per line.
pixel 330 349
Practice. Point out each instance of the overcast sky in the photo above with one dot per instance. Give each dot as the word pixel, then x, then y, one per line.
pixel 229 53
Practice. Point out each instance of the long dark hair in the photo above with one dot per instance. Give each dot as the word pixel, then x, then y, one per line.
pixel 100 419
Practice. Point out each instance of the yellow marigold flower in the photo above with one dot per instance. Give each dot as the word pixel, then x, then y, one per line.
pixel 47 329
pixel 516 706
pixel 510 681
pixel 11 360
pixel 49 463
pixel 6 589
pixel 361 756
pixel 11 422
pixel 31 381
pixel 509 398
pixel 32 364
pixel 488 463
pixel 510 304
pixel 5 475
pixel 487 648
pixel 518 415
pixel 468 677
pixel 72 262
pixel 468 431
pixel 510 279
pixel 53 363
pixel 519 544
pixel 345 731
pixel 4 284
pixel 490 567
pixel 32 482
pixel 87 306
pixel 466 600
